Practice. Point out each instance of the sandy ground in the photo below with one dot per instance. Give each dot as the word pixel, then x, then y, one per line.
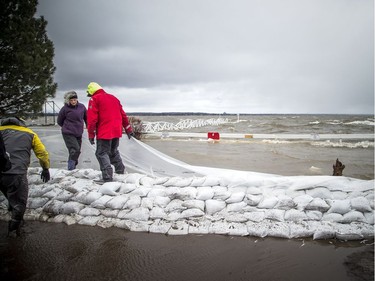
pixel 50 251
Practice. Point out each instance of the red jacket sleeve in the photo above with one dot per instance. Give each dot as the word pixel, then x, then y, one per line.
pixel 125 122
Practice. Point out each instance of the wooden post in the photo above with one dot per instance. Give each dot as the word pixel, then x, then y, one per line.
pixel 338 168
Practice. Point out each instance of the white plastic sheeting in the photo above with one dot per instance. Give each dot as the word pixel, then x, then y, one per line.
pixel 140 157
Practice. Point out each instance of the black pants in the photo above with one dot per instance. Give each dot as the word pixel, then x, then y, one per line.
pixel 73 144
pixel 16 189
pixel 107 153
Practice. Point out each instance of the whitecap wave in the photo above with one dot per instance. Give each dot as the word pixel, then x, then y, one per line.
pixel 365 122
pixel 328 143
pixel 334 122
pixel 278 141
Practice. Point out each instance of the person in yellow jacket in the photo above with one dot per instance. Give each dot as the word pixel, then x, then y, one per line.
pixel 19 141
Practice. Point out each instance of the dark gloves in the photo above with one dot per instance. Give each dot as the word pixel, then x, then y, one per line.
pixel 92 141
pixel 131 135
pixel 45 175
pixel 5 164
pixel 8 166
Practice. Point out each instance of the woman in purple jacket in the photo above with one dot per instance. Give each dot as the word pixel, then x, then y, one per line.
pixel 71 119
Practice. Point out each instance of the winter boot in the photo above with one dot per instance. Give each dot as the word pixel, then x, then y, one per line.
pixel 119 167
pixel 100 181
pixel 71 165
pixel 14 228
pixel 107 175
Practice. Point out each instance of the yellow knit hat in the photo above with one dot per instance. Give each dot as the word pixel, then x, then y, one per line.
pixel 92 88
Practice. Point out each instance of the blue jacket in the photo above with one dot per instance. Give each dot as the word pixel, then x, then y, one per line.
pixel 71 119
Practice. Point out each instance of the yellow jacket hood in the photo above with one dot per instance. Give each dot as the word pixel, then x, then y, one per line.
pixel 92 88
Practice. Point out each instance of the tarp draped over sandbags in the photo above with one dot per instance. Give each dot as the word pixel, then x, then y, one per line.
pixel 321 207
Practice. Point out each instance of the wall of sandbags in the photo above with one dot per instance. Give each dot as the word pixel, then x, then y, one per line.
pixel 277 207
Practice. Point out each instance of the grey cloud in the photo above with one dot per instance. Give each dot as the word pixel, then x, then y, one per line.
pixel 260 55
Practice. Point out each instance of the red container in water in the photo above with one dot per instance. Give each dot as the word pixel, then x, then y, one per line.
pixel 213 135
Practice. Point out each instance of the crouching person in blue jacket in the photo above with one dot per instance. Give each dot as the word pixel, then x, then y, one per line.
pixel 19 141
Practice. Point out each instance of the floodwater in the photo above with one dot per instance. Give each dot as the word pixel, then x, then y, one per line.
pixel 287 158
pixel 49 251
pixel 291 159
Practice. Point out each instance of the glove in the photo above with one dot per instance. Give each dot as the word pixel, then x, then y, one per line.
pixel 131 135
pixel 45 175
pixel 8 166
pixel 92 141
pixel 5 162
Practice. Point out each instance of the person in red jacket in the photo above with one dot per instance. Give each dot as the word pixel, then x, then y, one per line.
pixel 105 120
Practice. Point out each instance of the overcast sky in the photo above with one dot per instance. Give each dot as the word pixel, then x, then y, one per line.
pixel 234 56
